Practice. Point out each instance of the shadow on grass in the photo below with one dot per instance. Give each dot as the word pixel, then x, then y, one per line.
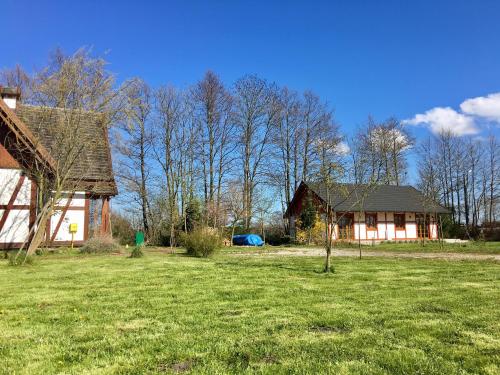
pixel 318 269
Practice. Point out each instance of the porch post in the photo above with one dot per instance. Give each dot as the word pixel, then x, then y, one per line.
pixel 105 218
pixel 96 229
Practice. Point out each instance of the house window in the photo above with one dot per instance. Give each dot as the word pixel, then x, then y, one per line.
pixel 399 221
pixel 371 221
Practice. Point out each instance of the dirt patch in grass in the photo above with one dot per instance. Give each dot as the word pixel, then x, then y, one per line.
pixel 176 368
pixel 322 328
pixel 432 308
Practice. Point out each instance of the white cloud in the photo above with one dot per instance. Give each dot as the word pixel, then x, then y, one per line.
pixel 483 106
pixel 472 112
pixel 441 119
pixel 343 148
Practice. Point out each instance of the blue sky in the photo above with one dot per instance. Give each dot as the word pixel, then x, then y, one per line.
pixel 385 58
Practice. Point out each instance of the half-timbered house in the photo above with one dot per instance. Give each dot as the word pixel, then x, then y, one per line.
pixel 87 207
pixel 370 213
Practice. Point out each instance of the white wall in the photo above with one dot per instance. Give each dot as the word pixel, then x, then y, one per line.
pixel 359 226
pixel 386 229
pixel 411 225
pixel 78 200
pixel 71 217
pixel 433 231
pixel 16 228
pixel 371 235
pixel 8 181
pixel 391 231
pixel 359 229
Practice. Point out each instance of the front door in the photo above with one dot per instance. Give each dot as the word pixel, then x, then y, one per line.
pixel 422 225
pixel 346 226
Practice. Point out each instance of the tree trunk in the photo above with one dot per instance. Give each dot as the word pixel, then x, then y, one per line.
pixel 327 260
pixel 41 225
pixel 232 233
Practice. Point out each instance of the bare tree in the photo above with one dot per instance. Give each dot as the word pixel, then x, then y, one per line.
pixel 313 117
pixel 284 169
pixel 212 111
pixel 255 112
pixel 380 151
pixel 234 205
pixel 133 144
pixel 330 173
pixel 169 148
pixel 263 206
pixel 493 151
pixel 462 173
pixel 68 89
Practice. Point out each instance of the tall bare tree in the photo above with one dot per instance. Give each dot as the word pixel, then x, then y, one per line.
pixel 493 165
pixel 381 151
pixel 285 135
pixel 314 113
pixel 212 111
pixel 256 110
pixel 133 144
pixel 168 149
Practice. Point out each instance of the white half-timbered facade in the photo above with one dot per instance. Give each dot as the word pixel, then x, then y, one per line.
pixel 371 213
pixel 18 192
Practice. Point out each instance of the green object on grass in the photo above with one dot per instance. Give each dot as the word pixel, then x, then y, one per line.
pixel 139 238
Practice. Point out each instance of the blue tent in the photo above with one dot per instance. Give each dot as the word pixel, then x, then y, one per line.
pixel 247 240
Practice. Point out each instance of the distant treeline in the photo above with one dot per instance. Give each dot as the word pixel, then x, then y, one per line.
pixel 233 155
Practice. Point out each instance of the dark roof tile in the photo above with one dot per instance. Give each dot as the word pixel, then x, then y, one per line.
pixel 94 166
pixel 359 197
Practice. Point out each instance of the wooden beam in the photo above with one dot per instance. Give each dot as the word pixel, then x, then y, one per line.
pixel 33 201
pixel 11 201
pixel 87 218
pixel 59 223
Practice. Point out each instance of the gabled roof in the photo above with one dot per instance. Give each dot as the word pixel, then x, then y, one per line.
pixel 39 125
pixel 359 197
pixel 15 128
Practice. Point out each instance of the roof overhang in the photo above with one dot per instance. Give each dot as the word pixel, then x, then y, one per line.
pixel 23 141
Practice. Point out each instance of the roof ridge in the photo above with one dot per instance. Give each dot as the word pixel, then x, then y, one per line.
pixel 362 184
pixel 60 109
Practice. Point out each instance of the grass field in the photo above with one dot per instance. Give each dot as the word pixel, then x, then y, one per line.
pixel 474 247
pixel 232 314
pixel 479 247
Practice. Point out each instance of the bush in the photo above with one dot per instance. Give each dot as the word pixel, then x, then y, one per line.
pixel 20 260
pixel 39 252
pixel 201 242
pixel 275 233
pixel 314 235
pixel 122 229
pixel 100 244
pixel 137 252
pixel 277 240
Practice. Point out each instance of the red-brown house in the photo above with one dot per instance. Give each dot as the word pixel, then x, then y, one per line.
pixel 362 212
pixel 88 207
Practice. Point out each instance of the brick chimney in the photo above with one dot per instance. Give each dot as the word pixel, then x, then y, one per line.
pixel 10 96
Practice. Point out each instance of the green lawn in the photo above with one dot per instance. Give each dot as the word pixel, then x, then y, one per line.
pixel 475 247
pixel 234 314
pixel 479 247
